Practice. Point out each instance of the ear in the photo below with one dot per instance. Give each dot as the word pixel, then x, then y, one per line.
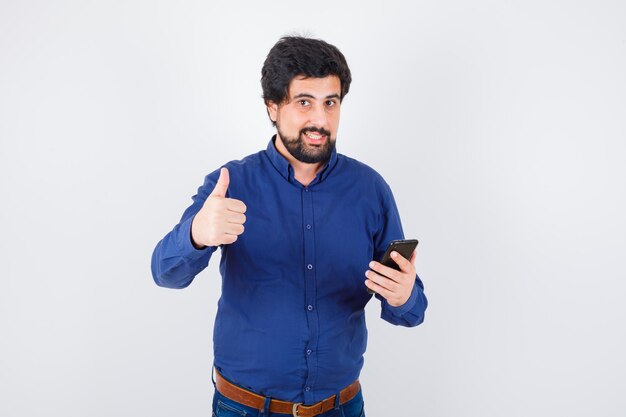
pixel 272 110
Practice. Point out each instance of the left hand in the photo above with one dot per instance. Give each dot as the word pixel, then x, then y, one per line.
pixel 395 286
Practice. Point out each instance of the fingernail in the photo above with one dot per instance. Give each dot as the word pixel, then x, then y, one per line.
pixel 394 254
pixel 372 264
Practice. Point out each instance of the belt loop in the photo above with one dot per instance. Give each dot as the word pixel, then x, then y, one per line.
pixel 213 376
pixel 266 406
pixel 337 400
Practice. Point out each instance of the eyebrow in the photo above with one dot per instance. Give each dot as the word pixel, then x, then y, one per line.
pixel 307 95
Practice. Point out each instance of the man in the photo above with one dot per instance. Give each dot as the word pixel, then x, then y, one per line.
pixel 290 329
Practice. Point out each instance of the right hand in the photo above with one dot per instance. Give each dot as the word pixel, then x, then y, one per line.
pixel 221 219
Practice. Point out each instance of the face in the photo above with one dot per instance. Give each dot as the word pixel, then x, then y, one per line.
pixel 308 119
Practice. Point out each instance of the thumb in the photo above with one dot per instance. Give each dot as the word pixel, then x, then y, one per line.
pixel 222 184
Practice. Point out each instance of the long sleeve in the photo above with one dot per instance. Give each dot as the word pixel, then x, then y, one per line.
pixel 411 313
pixel 175 261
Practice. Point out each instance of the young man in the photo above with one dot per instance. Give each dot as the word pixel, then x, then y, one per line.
pixel 290 329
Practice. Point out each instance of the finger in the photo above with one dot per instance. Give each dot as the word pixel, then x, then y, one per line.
pixel 234 217
pixel 413 256
pixel 378 289
pixel 234 229
pixel 385 270
pixel 222 184
pixel 228 239
pixel 382 281
pixel 233 204
pixel 401 261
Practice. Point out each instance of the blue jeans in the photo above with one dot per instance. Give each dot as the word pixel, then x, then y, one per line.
pixel 224 407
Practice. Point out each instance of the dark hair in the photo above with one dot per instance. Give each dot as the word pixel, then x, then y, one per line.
pixel 295 55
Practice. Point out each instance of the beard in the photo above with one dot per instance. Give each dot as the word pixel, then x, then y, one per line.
pixel 307 153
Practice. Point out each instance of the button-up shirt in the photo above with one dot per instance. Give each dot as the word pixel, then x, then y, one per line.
pixel 290 321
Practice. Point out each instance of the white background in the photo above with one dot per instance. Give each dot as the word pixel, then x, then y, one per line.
pixel 500 126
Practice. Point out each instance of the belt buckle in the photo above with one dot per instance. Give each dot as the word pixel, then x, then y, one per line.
pixel 294 410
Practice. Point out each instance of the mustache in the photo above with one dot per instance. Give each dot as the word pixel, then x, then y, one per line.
pixel 320 131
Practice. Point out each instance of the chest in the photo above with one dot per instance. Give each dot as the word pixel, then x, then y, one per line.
pixel 294 226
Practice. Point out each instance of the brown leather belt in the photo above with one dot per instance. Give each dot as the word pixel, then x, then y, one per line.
pixel 249 398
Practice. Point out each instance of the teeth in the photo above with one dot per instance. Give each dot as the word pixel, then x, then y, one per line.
pixel 313 135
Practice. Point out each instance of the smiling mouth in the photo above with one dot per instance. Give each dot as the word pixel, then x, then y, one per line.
pixel 315 138
pixel 313 135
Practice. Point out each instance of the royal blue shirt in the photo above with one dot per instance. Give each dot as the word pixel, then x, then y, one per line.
pixel 290 321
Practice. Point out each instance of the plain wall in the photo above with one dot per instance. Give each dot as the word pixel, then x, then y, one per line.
pixel 500 127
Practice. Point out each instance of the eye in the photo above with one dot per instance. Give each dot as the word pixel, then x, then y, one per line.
pixel 303 103
pixel 331 103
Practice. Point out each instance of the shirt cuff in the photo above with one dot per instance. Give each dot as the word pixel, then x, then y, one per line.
pixel 185 246
pixel 400 310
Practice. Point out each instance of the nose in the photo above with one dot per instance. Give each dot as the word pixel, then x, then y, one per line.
pixel 318 117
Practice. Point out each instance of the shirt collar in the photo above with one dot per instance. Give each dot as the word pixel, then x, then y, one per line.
pixel 285 169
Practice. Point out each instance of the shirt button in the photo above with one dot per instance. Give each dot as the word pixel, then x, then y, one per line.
pixel 310 307
pixel 306 189
pixel 309 267
pixel 308 226
pixel 309 351
pixel 307 389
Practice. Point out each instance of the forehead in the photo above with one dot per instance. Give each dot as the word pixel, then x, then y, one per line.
pixel 317 87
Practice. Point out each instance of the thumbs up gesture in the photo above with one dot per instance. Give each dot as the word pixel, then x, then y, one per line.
pixel 221 219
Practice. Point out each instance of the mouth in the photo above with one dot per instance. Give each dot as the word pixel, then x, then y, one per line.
pixel 314 138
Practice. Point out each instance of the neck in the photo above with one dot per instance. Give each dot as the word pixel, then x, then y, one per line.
pixel 303 172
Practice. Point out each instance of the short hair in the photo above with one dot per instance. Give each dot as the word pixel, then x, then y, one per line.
pixel 292 56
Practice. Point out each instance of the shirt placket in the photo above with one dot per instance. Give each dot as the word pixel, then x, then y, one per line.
pixel 310 303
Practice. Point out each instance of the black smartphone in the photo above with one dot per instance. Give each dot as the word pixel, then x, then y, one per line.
pixel 403 247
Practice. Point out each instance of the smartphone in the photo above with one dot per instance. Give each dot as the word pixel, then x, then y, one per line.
pixel 404 247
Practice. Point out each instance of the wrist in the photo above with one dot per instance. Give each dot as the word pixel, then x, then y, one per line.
pixel 194 243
